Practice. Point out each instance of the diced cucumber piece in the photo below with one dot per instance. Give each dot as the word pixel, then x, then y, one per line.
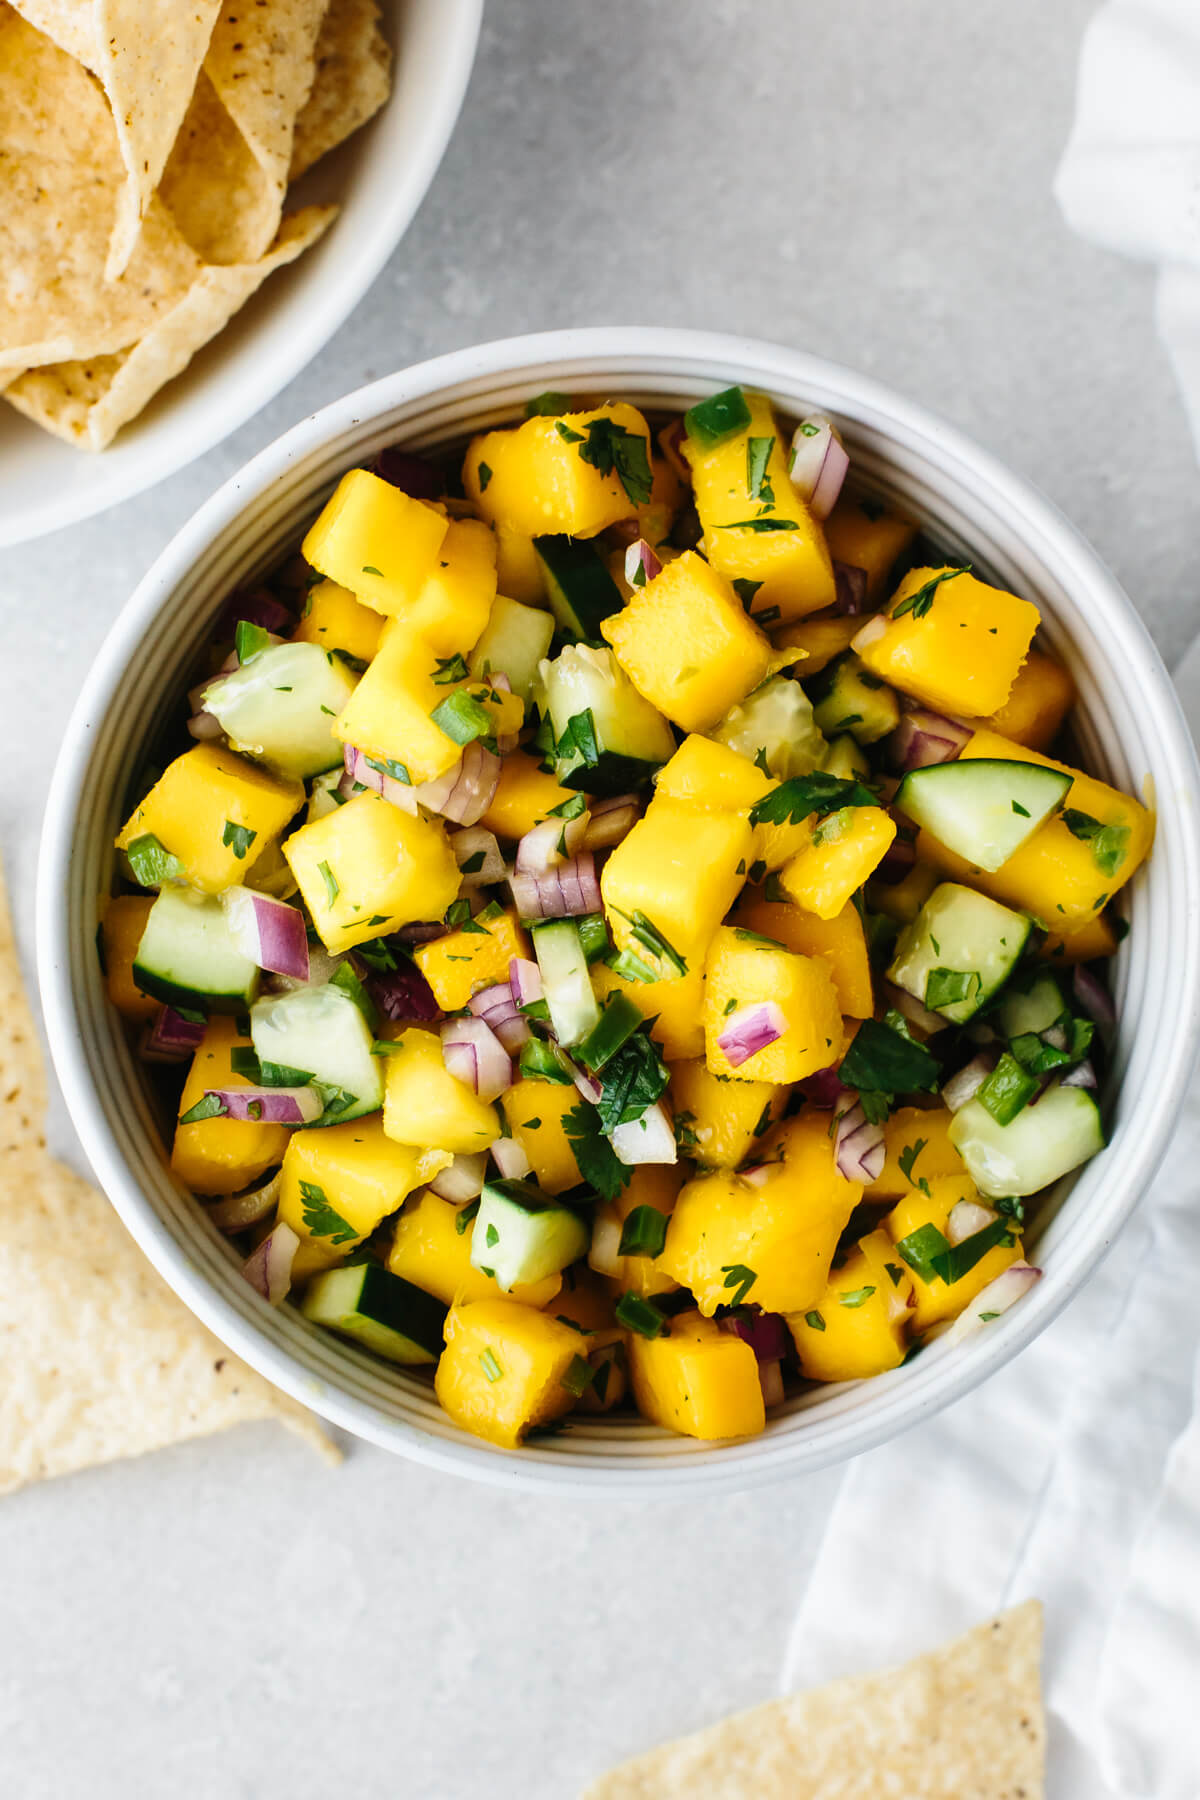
pixel 983 808
pixel 1044 1141
pixel 609 738
pixel 281 706
pixel 593 935
pixel 514 641
pixel 775 725
pixel 574 1009
pixel 380 1310
pixel 323 797
pixel 847 759
pixel 187 955
pixel 1035 1011
pixel 581 592
pixel 617 1023
pixel 958 951
pixel 849 697
pixel 321 1031
pixel 522 1236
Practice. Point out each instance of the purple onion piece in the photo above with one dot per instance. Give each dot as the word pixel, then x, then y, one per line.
pixel 269 931
pixel 412 474
pixel 1083 1075
pixel 641 563
pixel 525 980
pixel 861 1152
pixel 766 1333
pixel 474 1055
pixel 257 606
pixel 923 739
pixel 403 992
pixel 749 1030
pixel 824 1090
pixel 270 1106
pixel 1093 997
pixel 464 793
pixel 269 1268
pixel 172 1034
pixel 237 1212
pixel 509 1156
pixel 966 1083
pixel 566 892
pixel 851 586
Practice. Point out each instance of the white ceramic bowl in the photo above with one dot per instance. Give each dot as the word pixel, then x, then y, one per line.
pixel 1128 723
pixel 378 178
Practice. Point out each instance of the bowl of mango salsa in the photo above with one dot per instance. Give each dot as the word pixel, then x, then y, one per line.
pixel 621 906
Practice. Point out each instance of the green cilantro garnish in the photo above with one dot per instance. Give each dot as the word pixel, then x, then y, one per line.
pixel 249 641
pixel 386 765
pixel 907 1158
pixel 579 739
pixel 947 987
pixel 759 525
pixel 647 934
pixel 814 1321
pixel 1022 811
pixel 758 454
pixel 818 793
pixel 738 1276
pixel 1109 842
pixel 449 669
pixel 579 1376
pixel 611 448
pixel 332 890
pixel 882 1063
pixel 465 1216
pixel 210 1107
pixel 237 838
pixel 918 604
pixel 632 1080
pixel 370 569
pixel 321 1219
pixel 857 1297
pixel 547 405
pixel 490 1364
pixel 485 476
pixel 745 590
pixel 598 1162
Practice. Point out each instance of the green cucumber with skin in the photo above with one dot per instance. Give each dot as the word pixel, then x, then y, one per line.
pixel 522 1236
pixel 960 940
pixel 187 956
pixel 624 739
pixel 378 1310
pixel 579 588
pixel 1045 1141
pixel 982 808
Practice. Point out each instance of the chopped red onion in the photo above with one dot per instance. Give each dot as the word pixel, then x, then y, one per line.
pixel 239 1211
pixel 861 1153
pixel 818 464
pixel 749 1030
pixel 204 726
pixel 851 586
pixel 463 1180
pixel 270 1106
pixel 423 933
pixel 670 442
pixel 1093 996
pixel 402 992
pixel 269 1268
pixel 757 1175
pixel 360 771
pixel 500 1013
pixel 966 1084
pixel 321 968
pixel 412 474
pixel 897 861
pixel 604 1252
pixel 474 1055
pixel 196 695
pixel 824 1090
pixel 564 893
pixel 610 821
pixel 923 738
pixel 502 684
pixel 770 1377
pixel 525 980
pixel 923 1022
pixel 257 606
pixel 641 564
pixel 464 792
pixel 965 1219
pixel 469 845
pixel 648 1139
pixel 551 845
pixel 510 1158
pixel 1008 1287
pixel 875 628
pixel 766 1333
pixel 174 1037
pixel 587 1085
pixel 270 932
pixel 1083 1075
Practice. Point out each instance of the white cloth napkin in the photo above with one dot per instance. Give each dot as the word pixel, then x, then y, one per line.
pixel 1073 1475
pixel 1130 175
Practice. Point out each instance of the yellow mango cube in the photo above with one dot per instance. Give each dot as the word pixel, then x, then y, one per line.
pixel 962 652
pixel 933 1300
pixel 503 1369
pixel 120 934
pixel 368 868
pixel 459 964
pixel 903 900
pixel 201 808
pixel 536 1112
pixel 335 620
pixel 424 1104
pixel 674 1006
pixel 767 1238
pixel 857 1328
pixel 840 942
pixel 222 1155
pixel 428 1249
pixel 865 534
pixel 390 713
pixel 339 1183
pixel 667 495
pixel 744 970
pixel 845 849
pixel 540 477
pixel 720 1123
pixel 711 775
pixel 821 641
pixel 526 794
pixel 381 544
pixel 655 1185
pixel 1091 943
pixel 1042 696
pixel 769 537
pixel 452 607
pixel 518 567
pixel 1061 879
pixel 686 644
pixel 654 872
pixel 698 1380
pixel 918 1148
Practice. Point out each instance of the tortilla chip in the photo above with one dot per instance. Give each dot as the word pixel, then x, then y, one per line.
pixel 71 24
pixel 60 178
pixel 962 1723
pixel 101 1360
pixel 149 54
pixel 352 81
pixel 87 402
pixel 261 63
pixel 216 189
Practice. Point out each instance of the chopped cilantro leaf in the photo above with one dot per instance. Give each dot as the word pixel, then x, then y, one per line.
pixel 804 795
pixel 919 603
pixel 449 669
pixel 598 1162
pixel 321 1218
pixel 237 838
pixel 332 890
pixel 738 1276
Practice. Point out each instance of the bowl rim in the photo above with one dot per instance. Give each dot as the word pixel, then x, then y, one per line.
pixel 336 274
pixel 1041 526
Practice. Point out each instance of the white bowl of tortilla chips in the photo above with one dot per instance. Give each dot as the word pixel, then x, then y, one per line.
pixel 154 185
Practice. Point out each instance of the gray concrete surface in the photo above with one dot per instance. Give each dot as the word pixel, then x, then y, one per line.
pixel 231 1621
